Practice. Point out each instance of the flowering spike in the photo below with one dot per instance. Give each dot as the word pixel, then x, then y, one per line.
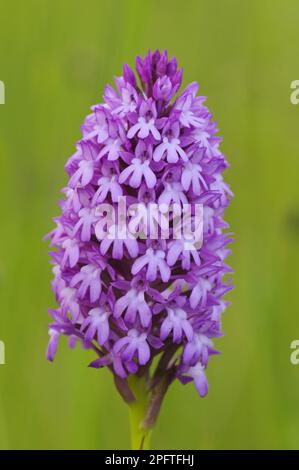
pixel 127 286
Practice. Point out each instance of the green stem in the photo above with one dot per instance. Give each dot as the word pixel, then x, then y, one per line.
pixel 140 436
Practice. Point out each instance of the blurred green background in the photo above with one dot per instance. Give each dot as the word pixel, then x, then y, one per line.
pixel 55 58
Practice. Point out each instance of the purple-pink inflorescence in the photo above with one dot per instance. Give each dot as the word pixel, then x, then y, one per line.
pixel 131 300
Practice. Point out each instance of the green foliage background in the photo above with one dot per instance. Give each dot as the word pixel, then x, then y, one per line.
pixel 55 57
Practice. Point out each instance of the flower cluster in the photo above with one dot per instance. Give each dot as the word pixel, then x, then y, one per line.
pixel 131 300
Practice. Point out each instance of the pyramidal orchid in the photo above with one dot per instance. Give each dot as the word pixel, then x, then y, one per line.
pixel 146 298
